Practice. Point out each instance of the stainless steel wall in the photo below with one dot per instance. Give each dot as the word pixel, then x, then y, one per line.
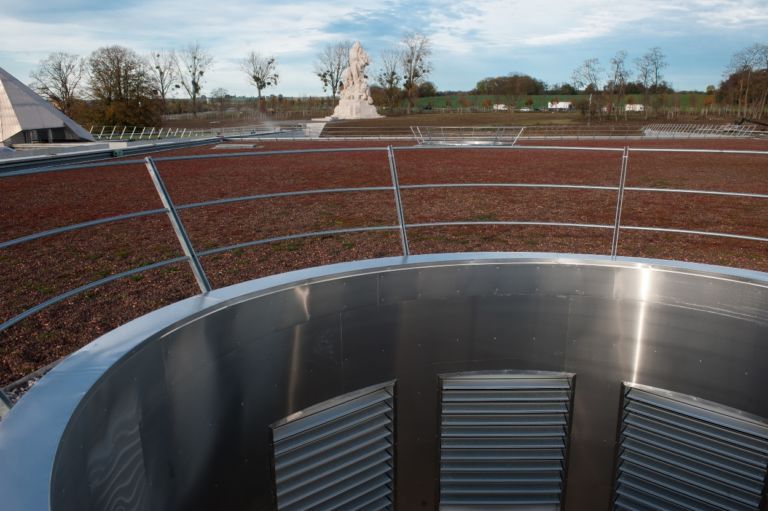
pixel 172 410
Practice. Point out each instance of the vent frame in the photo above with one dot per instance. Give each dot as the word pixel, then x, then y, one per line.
pixel 722 446
pixel 322 423
pixel 529 383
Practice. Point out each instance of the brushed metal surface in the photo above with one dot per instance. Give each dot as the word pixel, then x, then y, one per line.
pixel 188 392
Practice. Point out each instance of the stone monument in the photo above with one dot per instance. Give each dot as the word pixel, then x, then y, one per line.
pixel 355 101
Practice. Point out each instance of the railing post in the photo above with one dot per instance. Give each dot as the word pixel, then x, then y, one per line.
pixel 398 200
pixel 518 135
pixel 619 202
pixel 178 227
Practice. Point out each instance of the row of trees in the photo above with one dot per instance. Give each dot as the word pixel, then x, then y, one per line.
pixel 611 85
pixel 401 73
pixel 514 85
pixel 745 82
pixel 119 85
pixel 116 85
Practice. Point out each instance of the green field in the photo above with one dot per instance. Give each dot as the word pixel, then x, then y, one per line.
pixel 682 100
pixel 437 118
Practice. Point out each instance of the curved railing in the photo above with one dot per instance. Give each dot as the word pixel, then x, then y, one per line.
pixel 402 227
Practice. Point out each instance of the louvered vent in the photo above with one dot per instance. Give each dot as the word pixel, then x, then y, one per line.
pixel 337 454
pixel 504 439
pixel 679 452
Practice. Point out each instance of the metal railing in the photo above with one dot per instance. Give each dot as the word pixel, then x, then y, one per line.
pixel 192 256
pixel 118 133
pixel 494 135
pixel 510 134
pixel 666 130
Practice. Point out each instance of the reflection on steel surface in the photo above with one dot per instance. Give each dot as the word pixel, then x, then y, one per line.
pixel 504 439
pixel 116 464
pixel 337 454
pixel 679 452
pixel 188 392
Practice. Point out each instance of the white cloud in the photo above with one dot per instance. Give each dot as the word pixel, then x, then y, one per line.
pixel 481 25
pixel 229 30
pixel 294 32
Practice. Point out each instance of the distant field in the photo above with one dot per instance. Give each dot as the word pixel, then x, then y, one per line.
pixel 470 119
pixel 459 114
pixel 683 100
pixel 35 271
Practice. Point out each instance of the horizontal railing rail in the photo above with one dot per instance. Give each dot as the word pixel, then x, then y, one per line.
pixel 117 133
pixel 21 164
pixel 428 134
pixel 192 256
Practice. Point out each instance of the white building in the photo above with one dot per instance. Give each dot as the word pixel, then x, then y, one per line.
pixel 560 106
pixel 634 108
pixel 26 117
pixel 500 108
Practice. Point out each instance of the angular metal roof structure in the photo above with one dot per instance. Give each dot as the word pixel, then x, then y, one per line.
pixel 27 117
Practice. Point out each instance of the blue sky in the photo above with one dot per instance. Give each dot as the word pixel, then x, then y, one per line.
pixel 470 39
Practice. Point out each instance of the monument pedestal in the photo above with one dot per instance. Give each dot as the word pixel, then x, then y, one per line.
pixel 355 109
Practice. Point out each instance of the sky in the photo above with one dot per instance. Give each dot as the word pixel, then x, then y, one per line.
pixel 470 39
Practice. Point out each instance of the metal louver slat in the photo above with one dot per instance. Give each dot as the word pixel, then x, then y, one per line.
pixel 679 452
pixel 337 454
pixel 504 439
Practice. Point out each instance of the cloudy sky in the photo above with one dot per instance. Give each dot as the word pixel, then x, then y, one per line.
pixel 471 39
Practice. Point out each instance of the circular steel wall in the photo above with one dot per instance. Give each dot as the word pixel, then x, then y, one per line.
pixel 171 411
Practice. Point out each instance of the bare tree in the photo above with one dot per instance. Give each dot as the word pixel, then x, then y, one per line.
pixel 649 73
pixel 617 85
pixel 762 64
pixel 587 77
pixel 330 63
pixel 194 62
pixel 657 61
pixel 121 87
pixel 643 66
pixel 57 78
pixel 164 70
pixel 415 63
pixel 260 70
pixel 744 64
pixel 220 98
pixel 388 76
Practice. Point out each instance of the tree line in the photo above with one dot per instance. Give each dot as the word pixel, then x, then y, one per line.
pixel 607 89
pixel 745 82
pixel 117 86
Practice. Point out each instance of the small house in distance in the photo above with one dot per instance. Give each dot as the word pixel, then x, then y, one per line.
pixel 25 117
pixel 560 106
pixel 500 107
pixel 634 108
